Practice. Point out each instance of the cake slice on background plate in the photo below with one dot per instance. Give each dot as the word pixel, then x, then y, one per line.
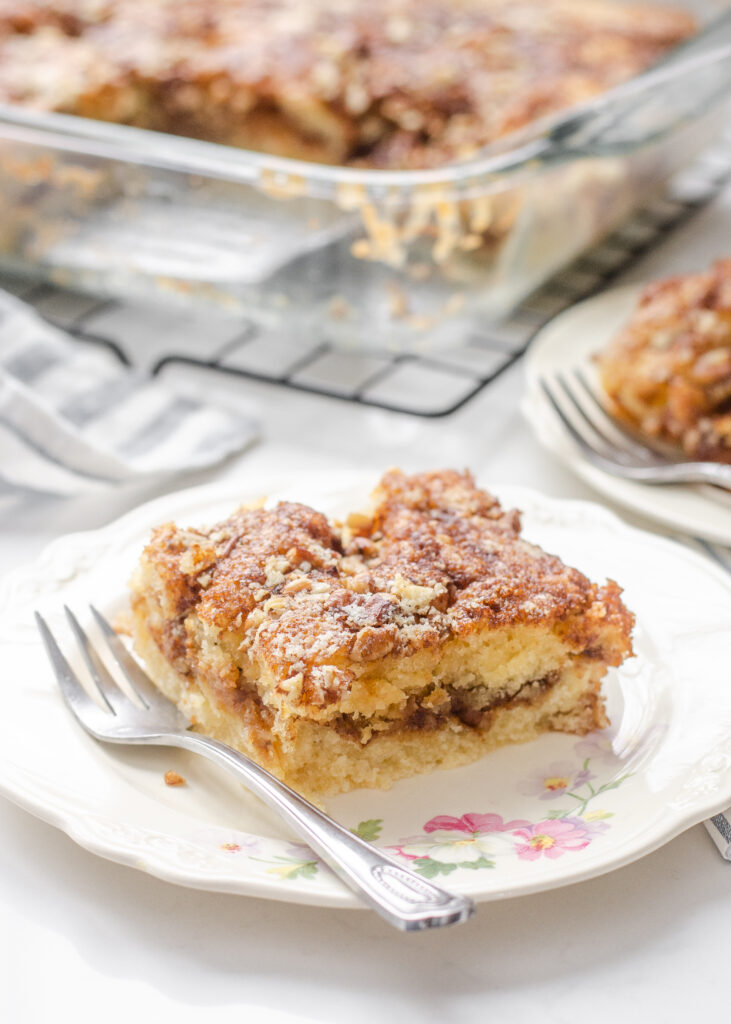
pixel 667 373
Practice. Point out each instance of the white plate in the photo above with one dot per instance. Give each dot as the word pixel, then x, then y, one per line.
pixel 571 338
pixel 523 819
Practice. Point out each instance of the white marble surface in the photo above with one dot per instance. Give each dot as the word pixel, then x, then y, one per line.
pixel 88 937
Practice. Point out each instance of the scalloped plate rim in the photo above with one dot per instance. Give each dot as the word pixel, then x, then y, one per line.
pixel 81 829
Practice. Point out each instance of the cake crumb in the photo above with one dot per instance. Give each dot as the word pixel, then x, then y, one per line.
pixel 173 779
pixel 122 623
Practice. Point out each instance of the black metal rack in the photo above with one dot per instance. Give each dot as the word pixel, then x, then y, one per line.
pixel 428 385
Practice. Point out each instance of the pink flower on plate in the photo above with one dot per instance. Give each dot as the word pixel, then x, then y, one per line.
pixel 235 842
pixel 474 824
pixel 451 840
pixel 559 778
pixel 552 838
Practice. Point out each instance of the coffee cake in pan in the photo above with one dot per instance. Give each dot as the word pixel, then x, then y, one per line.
pixel 376 83
pixel 417 635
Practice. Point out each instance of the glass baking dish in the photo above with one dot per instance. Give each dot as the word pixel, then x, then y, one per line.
pixel 363 258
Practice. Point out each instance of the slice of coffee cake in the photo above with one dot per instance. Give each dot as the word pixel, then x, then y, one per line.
pixel 417 635
pixel 667 372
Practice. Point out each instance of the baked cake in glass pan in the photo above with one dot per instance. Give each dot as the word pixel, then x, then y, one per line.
pixel 373 83
pixel 417 635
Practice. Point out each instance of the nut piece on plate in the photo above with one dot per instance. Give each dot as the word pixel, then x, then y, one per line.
pixel 419 634
pixel 668 372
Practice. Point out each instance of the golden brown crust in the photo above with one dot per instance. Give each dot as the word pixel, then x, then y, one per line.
pixel 416 634
pixel 437 559
pixel 320 758
pixel 668 372
pixel 412 83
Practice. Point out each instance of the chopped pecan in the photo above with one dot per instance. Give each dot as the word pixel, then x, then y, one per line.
pixel 373 642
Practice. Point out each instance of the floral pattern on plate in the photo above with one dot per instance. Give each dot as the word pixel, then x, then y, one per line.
pixel 206 835
pixel 479 840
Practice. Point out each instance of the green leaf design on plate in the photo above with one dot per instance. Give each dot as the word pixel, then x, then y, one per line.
pixel 289 868
pixel 368 830
pixel 481 862
pixel 613 785
pixel 308 869
pixel 431 868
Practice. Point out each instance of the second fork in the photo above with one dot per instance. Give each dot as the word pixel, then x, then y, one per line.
pixel 609 447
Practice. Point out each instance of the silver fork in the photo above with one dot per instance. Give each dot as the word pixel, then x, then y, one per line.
pixel 608 446
pixel 403 899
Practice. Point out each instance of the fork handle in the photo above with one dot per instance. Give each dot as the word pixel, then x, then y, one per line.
pixel 403 899
pixel 716 473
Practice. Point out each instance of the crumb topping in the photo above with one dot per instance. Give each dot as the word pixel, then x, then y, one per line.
pixel 435 558
pixel 388 83
pixel 669 370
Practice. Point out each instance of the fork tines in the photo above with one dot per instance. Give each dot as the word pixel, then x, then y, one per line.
pixel 575 401
pixel 109 700
pixel 607 444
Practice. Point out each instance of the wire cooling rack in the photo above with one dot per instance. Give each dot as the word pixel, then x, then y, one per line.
pixel 429 385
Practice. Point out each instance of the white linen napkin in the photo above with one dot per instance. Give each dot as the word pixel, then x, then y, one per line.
pixel 72 419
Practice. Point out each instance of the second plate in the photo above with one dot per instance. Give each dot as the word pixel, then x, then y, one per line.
pixel 572 338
